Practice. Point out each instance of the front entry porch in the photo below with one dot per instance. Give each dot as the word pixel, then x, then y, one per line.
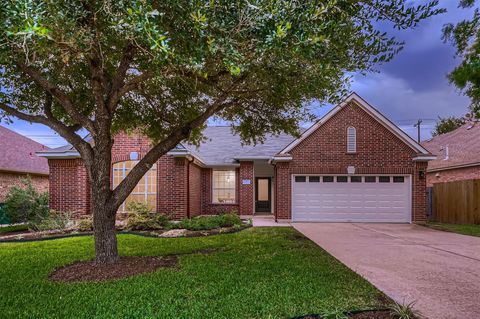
pixel 263 188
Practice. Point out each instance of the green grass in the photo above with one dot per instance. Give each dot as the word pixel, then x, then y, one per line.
pixel 13 228
pixel 472 230
pixel 256 273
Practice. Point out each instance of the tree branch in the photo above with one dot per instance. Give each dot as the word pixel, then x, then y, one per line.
pixel 178 135
pixel 63 99
pixel 134 83
pixel 68 133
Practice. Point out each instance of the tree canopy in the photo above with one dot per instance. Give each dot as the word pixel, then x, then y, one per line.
pixel 164 67
pixel 465 35
pixel 447 124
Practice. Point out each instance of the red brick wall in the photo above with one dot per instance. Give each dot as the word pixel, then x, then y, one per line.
pixel 452 175
pixel 419 196
pixel 10 179
pixel 246 195
pixel 209 208
pixel 195 190
pixel 125 143
pixel 378 152
pixel 172 187
pixel 69 188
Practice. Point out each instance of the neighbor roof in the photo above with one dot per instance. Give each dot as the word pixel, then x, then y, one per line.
pixel 460 147
pixel 19 154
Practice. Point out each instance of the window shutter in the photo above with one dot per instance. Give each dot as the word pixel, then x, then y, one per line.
pixel 351 140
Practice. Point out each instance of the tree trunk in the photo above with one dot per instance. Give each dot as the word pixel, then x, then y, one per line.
pixel 104 232
pixel 103 209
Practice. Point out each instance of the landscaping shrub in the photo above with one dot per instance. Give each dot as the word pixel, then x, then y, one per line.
pixel 209 222
pixel 53 221
pixel 85 223
pixel 141 217
pixel 4 219
pixel 26 204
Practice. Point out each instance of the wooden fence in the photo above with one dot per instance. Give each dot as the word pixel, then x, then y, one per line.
pixel 456 202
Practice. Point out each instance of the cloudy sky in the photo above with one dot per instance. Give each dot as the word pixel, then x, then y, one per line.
pixel 413 86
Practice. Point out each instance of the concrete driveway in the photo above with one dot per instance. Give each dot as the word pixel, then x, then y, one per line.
pixel 438 270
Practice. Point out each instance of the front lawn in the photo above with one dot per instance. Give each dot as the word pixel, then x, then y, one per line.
pixel 472 230
pixel 256 273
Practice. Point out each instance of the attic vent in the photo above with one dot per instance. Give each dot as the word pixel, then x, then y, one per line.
pixel 351 140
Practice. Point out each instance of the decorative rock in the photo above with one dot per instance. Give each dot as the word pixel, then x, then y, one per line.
pixel 174 233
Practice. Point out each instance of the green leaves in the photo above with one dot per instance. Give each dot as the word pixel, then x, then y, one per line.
pixel 465 36
pixel 266 60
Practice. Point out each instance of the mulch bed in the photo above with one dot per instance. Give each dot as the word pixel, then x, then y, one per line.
pixel 126 266
pixel 55 234
pixel 90 271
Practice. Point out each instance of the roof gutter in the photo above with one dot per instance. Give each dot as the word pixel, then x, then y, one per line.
pixel 18 171
pixel 424 158
pixel 59 155
pixel 453 167
pixel 278 159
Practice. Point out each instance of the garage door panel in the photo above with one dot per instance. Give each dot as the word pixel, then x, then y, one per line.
pixel 356 202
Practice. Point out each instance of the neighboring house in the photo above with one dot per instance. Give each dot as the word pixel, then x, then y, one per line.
pixel 18 160
pixel 458 155
pixel 352 165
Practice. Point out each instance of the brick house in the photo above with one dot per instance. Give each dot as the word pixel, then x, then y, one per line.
pixel 458 155
pixel 352 165
pixel 19 160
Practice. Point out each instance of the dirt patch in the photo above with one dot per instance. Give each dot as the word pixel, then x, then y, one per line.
pixel 384 314
pixel 370 314
pixel 89 271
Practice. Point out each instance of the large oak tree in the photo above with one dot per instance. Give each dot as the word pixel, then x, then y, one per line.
pixel 165 67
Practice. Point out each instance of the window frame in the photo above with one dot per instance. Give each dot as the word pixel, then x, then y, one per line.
pixel 145 178
pixel 235 187
pixel 351 133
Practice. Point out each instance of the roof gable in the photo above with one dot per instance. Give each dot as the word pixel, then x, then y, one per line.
pixel 374 113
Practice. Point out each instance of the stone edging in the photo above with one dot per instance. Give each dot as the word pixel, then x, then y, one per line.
pixel 152 234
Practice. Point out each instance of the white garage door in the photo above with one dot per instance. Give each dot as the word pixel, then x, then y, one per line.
pixel 317 198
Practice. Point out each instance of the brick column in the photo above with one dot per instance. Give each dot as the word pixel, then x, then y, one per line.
pixel 246 196
pixel 282 192
pixel 419 195
pixel 69 187
pixel 172 187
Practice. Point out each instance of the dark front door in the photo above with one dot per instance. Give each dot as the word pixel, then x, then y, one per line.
pixel 263 199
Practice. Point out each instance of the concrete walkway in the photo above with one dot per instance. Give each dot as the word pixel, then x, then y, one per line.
pixel 440 271
pixel 267 221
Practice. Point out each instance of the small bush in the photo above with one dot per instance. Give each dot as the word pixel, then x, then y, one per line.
pixel 54 221
pixel 141 217
pixel 26 204
pixel 208 222
pixel 404 311
pixel 85 223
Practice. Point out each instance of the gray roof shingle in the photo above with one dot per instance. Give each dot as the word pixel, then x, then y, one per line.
pixel 222 146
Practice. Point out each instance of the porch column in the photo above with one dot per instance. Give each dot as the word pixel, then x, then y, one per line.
pixel 282 192
pixel 419 198
pixel 246 195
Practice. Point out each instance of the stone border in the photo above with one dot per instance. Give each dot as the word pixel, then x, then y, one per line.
pixel 173 233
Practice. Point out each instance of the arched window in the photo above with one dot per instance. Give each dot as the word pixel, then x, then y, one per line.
pixel 351 140
pixel 146 189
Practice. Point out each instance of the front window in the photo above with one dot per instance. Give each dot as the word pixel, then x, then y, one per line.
pixel 223 187
pixel 146 189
